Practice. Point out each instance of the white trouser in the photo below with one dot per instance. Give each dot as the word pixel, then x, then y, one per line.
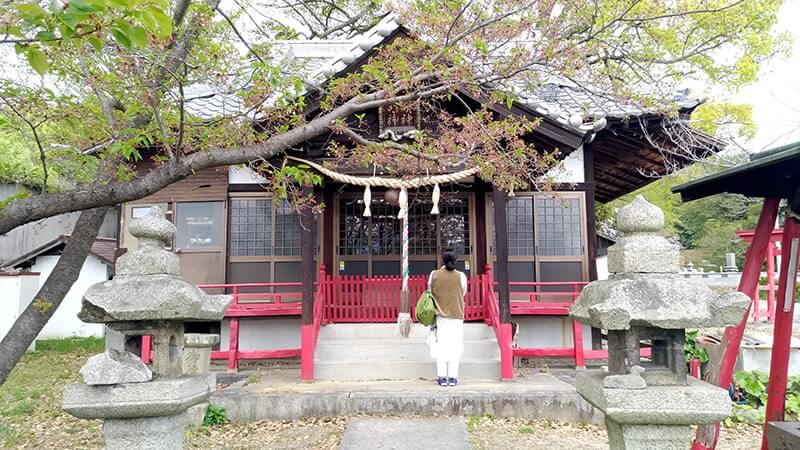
pixel 447 368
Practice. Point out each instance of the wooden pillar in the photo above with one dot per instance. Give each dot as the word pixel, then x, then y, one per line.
pixel 307 247
pixel 501 251
pixel 328 220
pixel 591 228
pixel 481 231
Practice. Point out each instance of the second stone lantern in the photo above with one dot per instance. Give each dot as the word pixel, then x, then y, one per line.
pixel 651 404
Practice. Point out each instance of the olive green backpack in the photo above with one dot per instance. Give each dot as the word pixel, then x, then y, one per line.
pixel 425 310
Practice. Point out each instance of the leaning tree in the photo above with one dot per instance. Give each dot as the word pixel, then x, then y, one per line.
pixel 90 87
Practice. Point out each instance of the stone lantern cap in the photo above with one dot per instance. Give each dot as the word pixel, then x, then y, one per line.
pixel 644 288
pixel 147 286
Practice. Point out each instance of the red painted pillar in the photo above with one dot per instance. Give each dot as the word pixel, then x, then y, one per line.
pixel 708 435
pixel 694 368
pixel 147 349
pixel 771 281
pixel 577 344
pixel 487 287
pixel 233 345
pixel 781 344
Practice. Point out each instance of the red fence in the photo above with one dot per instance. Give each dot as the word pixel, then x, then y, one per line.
pixel 357 298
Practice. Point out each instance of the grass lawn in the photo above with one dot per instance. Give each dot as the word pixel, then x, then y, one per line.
pixel 30 400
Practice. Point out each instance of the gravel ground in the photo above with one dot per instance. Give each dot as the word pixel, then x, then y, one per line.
pixel 298 434
pixel 490 433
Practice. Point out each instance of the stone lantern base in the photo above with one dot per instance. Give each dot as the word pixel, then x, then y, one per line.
pixel 653 417
pixel 150 415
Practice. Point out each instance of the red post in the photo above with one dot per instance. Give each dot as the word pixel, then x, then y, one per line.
pixel 708 435
pixel 233 345
pixel 694 368
pixel 781 337
pixel 577 344
pixel 147 349
pixel 506 353
pixel 487 287
pixel 322 286
pixel 771 281
pixel 307 352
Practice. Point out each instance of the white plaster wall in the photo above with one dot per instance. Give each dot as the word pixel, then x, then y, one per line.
pixel 65 322
pixel 18 291
pixel 270 333
pixel 556 332
pixel 571 169
pixel 243 175
pixel 602 267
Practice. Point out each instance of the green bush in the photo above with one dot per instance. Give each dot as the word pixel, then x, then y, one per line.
pixel 692 350
pixel 215 415
pixel 750 397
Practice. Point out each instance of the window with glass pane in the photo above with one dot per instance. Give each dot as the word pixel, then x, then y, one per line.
pixel 139 211
pixel 287 230
pixel 559 226
pixel 421 229
pixel 454 225
pixel 353 238
pixel 250 227
pixel 199 225
pixel 384 229
pixel 519 226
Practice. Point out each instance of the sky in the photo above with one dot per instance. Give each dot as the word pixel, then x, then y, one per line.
pixel 776 95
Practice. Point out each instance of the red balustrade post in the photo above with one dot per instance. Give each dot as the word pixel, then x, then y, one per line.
pixel 233 345
pixel 322 286
pixel 147 349
pixel 577 344
pixel 506 353
pixel 694 368
pixel 307 352
pixel 486 289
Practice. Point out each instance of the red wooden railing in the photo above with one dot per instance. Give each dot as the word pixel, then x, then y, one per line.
pixel 343 299
pixel 357 298
pixel 309 334
pixel 260 300
pixel 502 331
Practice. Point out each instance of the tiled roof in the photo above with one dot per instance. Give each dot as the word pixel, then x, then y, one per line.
pixel 102 248
pixel 572 106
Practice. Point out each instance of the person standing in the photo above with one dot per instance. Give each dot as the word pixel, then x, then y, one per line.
pixel 448 287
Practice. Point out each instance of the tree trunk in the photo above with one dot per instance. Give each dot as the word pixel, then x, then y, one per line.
pixel 44 305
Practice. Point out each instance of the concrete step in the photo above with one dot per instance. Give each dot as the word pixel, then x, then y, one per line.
pixel 472 331
pixel 403 349
pixel 399 369
pixel 282 397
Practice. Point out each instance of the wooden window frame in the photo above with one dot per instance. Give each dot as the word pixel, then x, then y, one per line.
pixel 370 258
pixel 537 259
pixel 270 259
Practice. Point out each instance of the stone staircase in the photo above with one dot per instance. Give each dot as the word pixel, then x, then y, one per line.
pixel 375 351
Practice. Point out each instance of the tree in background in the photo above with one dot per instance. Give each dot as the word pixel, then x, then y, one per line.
pixel 106 80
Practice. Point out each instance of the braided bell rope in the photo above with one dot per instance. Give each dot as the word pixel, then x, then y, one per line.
pixel 393 183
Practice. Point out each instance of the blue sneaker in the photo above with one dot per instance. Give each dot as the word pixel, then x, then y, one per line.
pixel 442 381
pixel 452 381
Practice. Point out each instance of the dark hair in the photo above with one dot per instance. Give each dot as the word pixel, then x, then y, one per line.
pixel 449 259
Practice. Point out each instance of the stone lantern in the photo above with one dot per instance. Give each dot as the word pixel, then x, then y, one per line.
pixel 651 404
pixel 144 407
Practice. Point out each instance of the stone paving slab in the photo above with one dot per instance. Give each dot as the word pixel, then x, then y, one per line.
pixel 280 396
pixel 393 433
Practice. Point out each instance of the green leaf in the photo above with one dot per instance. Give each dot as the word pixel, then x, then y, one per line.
pixel 69 19
pixel 120 4
pixel 31 11
pixel 46 36
pixel 121 38
pixel 96 43
pixel 38 60
pixel 159 22
pixel 138 36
